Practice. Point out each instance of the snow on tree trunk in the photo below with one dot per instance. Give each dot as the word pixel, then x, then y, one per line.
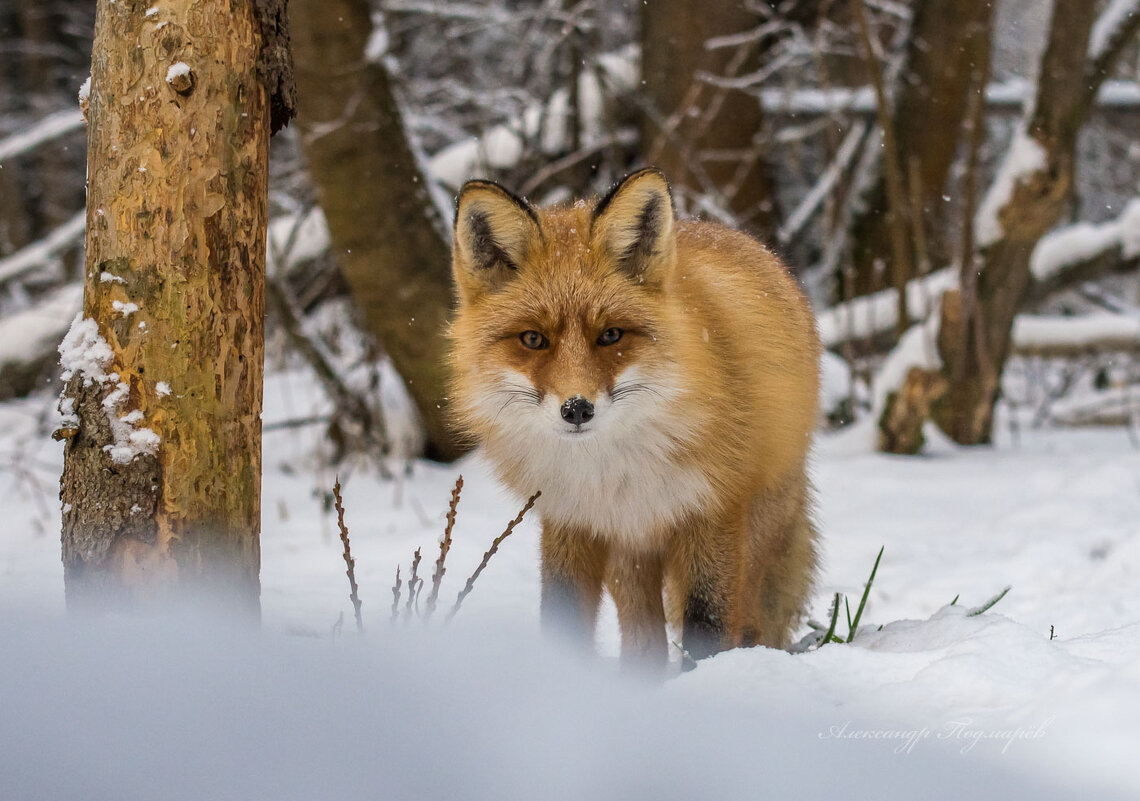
pixel 163 367
pixel 389 236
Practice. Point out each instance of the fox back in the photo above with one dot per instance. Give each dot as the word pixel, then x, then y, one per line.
pixel 657 380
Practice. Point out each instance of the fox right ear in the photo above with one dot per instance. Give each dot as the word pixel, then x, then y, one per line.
pixel 494 230
pixel 634 224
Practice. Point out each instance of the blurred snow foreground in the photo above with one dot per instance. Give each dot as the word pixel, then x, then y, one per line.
pixel 935 704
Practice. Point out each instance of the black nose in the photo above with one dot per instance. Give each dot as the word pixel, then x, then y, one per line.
pixel 577 410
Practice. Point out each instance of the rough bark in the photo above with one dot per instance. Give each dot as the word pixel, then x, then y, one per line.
pixel 976 329
pixel 688 120
pixel 176 223
pixel 384 228
pixel 948 39
pixel 907 409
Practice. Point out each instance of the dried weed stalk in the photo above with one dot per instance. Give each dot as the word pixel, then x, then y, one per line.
pixel 491 552
pixel 414 584
pixel 354 595
pixel 444 547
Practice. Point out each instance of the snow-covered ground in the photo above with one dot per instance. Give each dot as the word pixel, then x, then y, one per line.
pixel 935 704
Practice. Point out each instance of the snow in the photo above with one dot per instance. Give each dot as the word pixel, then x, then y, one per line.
pixel 124 309
pixel 1024 157
pixel 85 91
pixel 107 278
pixel 376 48
pixel 177 70
pixel 84 351
pixel 935 705
pixel 162 388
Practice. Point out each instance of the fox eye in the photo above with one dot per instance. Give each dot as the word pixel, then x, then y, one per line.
pixel 609 336
pixel 533 340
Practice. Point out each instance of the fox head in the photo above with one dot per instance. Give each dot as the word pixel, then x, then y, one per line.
pixel 560 336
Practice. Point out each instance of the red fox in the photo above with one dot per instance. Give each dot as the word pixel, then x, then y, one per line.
pixel 657 380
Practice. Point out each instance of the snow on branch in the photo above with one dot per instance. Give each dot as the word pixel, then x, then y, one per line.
pixel 1110 27
pixel 502 146
pixel 1010 95
pixel 50 127
pixel 1059 258
pixel 870 315
pixel 1082 242
pixel 43 251
pixel 1068 336
pixel 808 207
pixel 295 239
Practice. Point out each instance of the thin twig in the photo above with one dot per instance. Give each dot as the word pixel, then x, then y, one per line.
pixel 444 547
pixel 491 552
pixel 348 560
pixel 396 595
pixel 413 581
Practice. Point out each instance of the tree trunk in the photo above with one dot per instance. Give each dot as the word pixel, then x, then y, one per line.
pixel 690 121
pixel 976 328
pixel 948 38
pixel 387 233
pixel 163 370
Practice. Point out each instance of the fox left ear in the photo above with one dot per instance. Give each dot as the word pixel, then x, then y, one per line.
pixel 634 224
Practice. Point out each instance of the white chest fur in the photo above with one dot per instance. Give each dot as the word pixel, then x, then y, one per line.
pixel 627 486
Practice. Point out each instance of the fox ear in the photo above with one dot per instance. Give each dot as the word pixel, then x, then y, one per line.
pixel 494 230
pixel 634 224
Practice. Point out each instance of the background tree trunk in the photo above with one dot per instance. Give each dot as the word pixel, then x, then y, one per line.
pixel 976 326
pixel 162 405
pixel 387 233
pixel 688 119
pixel 948 38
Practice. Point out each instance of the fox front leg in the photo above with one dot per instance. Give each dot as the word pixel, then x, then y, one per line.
pixel 709 559
pixel 634 581
pixel 573 569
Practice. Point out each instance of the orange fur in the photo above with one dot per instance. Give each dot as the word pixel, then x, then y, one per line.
pixel 694 478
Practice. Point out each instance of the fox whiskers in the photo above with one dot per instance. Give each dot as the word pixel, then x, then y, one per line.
pixel 514 393
pixel 631 388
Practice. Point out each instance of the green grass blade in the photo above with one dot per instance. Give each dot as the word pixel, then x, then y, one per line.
pixel 830 635
pixel 854 627
pixel 988 605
